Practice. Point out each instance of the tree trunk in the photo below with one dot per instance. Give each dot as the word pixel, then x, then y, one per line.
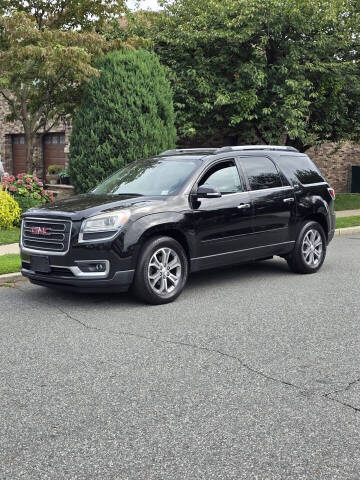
pixel 302 147
pixel 29 150
pixel 259 135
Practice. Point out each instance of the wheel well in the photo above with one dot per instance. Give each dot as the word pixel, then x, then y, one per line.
pixel 167 232
pixel 320 218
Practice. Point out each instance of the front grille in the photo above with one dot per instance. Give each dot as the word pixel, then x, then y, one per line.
pixel 46 235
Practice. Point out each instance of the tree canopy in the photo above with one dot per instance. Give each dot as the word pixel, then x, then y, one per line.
pixel 67 14
pixel 279 71
pixel 42 73
pixel 126 114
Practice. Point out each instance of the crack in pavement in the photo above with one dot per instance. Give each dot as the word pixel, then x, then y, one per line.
pixel 183 344
pixel 243 364
pixel 340 391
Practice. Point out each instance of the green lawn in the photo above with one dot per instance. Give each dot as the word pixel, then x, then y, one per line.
pixel 347 222
pixel 347 201
pixel 9 236
pixel 10 263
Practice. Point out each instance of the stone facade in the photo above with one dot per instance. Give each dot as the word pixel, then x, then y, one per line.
pixel 8 129
pixel 335 163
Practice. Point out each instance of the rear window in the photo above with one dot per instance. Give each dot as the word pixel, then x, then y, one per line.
pixel 300 169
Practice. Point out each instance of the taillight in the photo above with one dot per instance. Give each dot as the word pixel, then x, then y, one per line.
pixel 332 193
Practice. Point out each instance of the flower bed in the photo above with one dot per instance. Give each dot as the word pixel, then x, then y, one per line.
pixel 28 190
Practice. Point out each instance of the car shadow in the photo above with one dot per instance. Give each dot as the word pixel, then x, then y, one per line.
pixel 240 272
pixel 208 278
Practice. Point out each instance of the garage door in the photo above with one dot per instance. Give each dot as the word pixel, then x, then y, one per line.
pixel 355 179
pixel 54 154
pixel 19 154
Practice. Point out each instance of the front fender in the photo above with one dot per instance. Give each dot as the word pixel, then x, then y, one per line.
pixel 158 224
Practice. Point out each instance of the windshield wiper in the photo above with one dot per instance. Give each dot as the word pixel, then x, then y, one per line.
pixel 134 194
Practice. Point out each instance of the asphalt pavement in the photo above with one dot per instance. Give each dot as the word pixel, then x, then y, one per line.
pixel 253 373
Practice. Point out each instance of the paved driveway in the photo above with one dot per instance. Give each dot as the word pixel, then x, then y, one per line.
pixel 254 373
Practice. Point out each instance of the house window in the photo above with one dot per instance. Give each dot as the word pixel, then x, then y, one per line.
pixel 55 138
pixel 18 139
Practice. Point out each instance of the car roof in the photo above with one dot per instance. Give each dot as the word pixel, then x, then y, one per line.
pixel 183 156
pixel 207 153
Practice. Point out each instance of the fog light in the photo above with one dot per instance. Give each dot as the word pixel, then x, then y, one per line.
pixel 92 267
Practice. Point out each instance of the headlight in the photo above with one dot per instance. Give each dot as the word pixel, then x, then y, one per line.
pixel 103 227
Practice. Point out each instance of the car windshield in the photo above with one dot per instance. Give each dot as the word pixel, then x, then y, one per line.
pixel 157 176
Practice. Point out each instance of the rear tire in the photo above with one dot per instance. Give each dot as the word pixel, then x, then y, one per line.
pixel 310 249
pixel 162 271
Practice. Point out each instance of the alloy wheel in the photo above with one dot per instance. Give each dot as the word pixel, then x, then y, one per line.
pixel 164 271
pixel 312 248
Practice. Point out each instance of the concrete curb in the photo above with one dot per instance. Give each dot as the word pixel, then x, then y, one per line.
pixel 10 277
pixel 347 231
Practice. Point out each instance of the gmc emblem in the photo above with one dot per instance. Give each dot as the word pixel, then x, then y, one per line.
pixel 40 230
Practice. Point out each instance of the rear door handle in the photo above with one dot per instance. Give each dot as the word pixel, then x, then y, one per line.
pixel 244 205
pixel 289 200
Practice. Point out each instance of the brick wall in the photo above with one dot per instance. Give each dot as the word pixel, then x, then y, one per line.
pixel 335 163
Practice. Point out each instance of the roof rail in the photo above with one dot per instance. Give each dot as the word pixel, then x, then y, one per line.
pixel 189 150
pixel 257 147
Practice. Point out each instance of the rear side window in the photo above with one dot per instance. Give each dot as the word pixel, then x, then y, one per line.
pixel 299 168
pixel 261 173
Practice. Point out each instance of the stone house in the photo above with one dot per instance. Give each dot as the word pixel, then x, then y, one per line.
pixel 338 163
pixel 52 149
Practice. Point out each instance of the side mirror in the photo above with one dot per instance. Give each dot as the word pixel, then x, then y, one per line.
pixel 208 192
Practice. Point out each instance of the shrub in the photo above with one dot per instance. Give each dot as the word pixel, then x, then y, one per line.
pixel 64 173
pixel 9 211
pixel 27 202
pixel 126 114
pixel 55 169
pixel 27 190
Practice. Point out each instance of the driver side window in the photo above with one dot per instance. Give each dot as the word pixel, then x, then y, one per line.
pixel 223 176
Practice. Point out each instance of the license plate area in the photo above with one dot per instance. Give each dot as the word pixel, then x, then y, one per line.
pixel 40 263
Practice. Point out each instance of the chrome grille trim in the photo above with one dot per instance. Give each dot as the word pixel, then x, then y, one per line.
pixel 47 237
pixel 46 244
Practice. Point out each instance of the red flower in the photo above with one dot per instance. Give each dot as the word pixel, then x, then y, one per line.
pixel 12 188
pixel 20 182
pixel 35 179
pixel 40 184
pixel 29 187
pixel 28 180
pixel 43 193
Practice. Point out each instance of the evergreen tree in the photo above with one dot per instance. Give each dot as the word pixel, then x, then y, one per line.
pixel 126 114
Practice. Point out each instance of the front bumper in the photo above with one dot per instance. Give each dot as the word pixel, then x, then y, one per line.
pixel 65 272
pixel 67 264
pixel 118 282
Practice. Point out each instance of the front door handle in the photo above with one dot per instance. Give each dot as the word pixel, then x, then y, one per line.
pixel 244 205
pixel 289 200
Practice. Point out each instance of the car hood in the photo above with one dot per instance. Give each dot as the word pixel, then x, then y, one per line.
pixel 87 205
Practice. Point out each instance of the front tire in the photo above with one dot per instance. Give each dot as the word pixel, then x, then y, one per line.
pixel 162 271
pixel 310 249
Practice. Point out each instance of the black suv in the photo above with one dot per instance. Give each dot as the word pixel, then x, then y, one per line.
pixel 155 221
